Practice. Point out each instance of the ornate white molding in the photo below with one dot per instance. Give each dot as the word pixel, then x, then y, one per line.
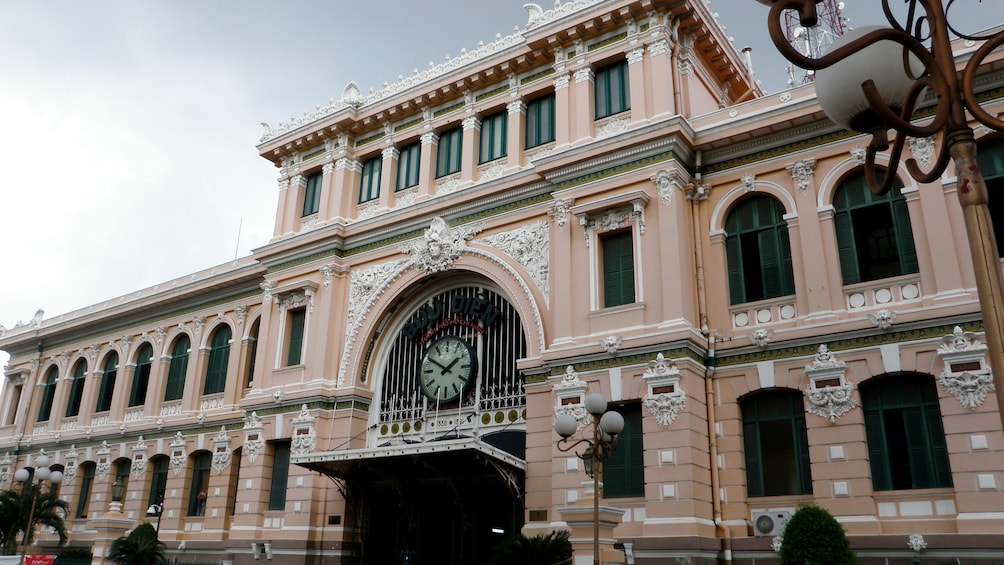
pixel 748 182
pixel 666 183
pixel 883 319
pixel 562 81
pixel 801 173
pixel 761 337
pixel 539 16
pixel 441 245
pixel 254 442
pixel 304 436
pixel 612 128
pixel 635 55
pixel 829 391
pixel 104 461
pixel 582 75
pixel 222 453
pixel 569 395
pixel 611 344
pixel 859 155
pixel 665 398
pixel 966 374
pixel 495 170
pixel 922 148
pixel 138 466
pixel 6 465
pixel 178 456
pixel 614 219
pixel 559 211
pixel 528 245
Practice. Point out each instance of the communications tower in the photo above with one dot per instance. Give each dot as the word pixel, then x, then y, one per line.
pixel 813 41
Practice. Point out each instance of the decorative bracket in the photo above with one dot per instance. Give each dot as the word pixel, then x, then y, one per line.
pixel 665 398
pixel 829 391
pixel 966 374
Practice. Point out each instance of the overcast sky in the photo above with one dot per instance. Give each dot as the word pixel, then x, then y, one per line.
pixel 129 127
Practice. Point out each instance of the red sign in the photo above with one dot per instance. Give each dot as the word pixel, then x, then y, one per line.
pixel 39 559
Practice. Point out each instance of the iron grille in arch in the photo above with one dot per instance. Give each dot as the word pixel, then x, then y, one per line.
pixel 498 388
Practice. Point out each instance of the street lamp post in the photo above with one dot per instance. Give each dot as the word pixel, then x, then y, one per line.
pixel 157 509
pixel 888 70
pixel 606 425
pixel 25 478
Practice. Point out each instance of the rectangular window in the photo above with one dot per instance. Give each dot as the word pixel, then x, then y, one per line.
pixel 312 194
pixel 448 155
pixel 158 482
pixel 624 472
pixel 493 137
pixel 297 320
pixel 199 492
pixel 408 166
pixel 618 269
pixel 539 121
pixel 84 498
pixel 280 475
pixel 369 184
pixel 610 90
pixel 105 392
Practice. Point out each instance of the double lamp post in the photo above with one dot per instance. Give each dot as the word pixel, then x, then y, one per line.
pixel 875 79
pixel 35 481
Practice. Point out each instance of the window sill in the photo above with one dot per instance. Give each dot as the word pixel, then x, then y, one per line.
pixel 617 309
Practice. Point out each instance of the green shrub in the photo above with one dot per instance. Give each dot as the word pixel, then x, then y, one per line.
pixel 814 536
pixel 551 549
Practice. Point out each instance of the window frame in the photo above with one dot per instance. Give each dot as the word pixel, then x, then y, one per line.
pixel 312 194
pixel 611 89
pixel 623 473
pixel 158 480
pixel 369 179
pixel 617 268
pixel 539 127
pixel 492 138
pixel 177 371
pixel 48 394
pixel 106 392
pixel 850 199
pixel 86 484
pixel 296 325
pixel 775 277
pixel 76 396
pixel 409 166
pixel 219 361
pixel 754 417
pixel 141 376
pixel 201 464
pixel 281 455
pixel 449 152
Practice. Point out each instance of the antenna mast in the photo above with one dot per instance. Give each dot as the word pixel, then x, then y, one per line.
pixel 813 41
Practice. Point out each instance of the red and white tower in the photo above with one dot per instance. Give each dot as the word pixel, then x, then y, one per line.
pixel 813 41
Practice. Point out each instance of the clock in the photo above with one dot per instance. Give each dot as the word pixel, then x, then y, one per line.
pixel 448 367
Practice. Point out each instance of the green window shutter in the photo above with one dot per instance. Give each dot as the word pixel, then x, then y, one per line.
pixel 754 469
pixel 733 259
pixel 770 262
pixel 48 393
pixel 449 152
pixel 846 250
pixel 76 390
pixel 158 482
pixel 369 181
pixel 408 166
pixel 219 357
pixel 280 476
pixel 921 474
pixel 623 473
pixel 539 127
pixel 312 194
pixel 107 388
pixel 990 159
pixel 177 370
pixel 297 319
pixel 492 143
pixel 200 484
pixel 904 234
pixel 610 90
pixel 802 450
pixel 252 354
pixel 618 269
pixel 877 449
pixel 85 490
pixel 141 377
pixel 942 470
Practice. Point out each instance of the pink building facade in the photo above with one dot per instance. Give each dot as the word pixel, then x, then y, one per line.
pixel 602 201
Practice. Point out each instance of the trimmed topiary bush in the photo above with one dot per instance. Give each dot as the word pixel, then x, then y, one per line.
pixel 814 536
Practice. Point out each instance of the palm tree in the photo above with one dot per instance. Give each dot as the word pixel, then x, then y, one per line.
pixel 140 547
pixel 15 506
pixel 551 549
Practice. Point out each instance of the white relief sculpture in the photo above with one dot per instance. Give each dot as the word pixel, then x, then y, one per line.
pixel 559 211
pixel 138 466
pixel 327 273
pixel 665 398
pixel 368 210
pixel 562 81
pixel 966 374
pixel 304 436
pixel 5 469
pixel 859 155
pixel 761 337
pixel 405 198
pixel 916 542
pixel 540 154
pixel 569 393
pixel 539 17
pixel 178 454
pixel 801 173
pixel 922 148
pixel 222 453
pixel 451 184
pixel 254 442
pixel 829 392
pixel 614 219
pixel 297 299
pixel 528 245
pixel 883 319
pixel 666 184
pixel 267 287
pixel 441 245
pixel 611 344
pixel 493 171
pixel 242 312
pixel 612 128
pixel 104 462
pixel 748 182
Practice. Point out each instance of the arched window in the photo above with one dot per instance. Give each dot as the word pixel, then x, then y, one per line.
pixel 874 236
pixel 906 439
pixel 76 389
pixel 199 491
pixel 176 371
pixel 86 484
pixel 252 353
pixel 141 377
pixel 219 356
pixel 757 251
pixel 776 444
pixel 108 375
pixel 158 480
pixel 990 157
pixel 48 393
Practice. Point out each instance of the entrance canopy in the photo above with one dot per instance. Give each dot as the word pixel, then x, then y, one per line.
pixel 462 457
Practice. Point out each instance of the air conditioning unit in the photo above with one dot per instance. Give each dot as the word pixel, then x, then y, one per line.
pixel 770 523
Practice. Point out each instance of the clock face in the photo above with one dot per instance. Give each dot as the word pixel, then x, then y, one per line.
pixel 448 367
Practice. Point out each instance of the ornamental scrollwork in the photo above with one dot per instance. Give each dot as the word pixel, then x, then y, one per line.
pixel 222 455
pixel 829 393
pixel 665 399
pixel 569 393
pixel 441 245
pixel 178 454
pixel 528 245
pixel 304 437
pixel 966 374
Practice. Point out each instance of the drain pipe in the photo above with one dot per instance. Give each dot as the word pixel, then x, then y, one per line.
pixel 749 75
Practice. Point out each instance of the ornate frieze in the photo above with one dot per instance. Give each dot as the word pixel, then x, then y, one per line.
pixel 222 454
pixel 569 397
pixel 665 398
pixel 440 246
pixel 528 245
pixel 304 436
pixel 254 441
pixel 612 128
pixel 828 392
pixel 966 374
pixel 614 219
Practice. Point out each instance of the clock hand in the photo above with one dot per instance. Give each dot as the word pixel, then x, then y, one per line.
pixel 441 366
pixel 447 368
